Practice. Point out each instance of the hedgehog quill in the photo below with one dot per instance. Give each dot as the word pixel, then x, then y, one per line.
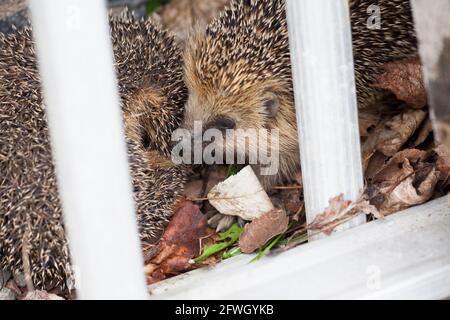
pixel 238 71
pixel 149 71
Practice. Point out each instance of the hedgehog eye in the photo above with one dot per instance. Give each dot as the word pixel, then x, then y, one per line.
pixel 271 104
pixel 222 123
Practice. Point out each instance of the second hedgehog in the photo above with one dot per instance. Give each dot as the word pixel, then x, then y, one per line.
pixel 238 72
pixel 152 92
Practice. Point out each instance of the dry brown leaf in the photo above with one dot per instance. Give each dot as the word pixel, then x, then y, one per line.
pixel 340 211
pixel 391 134
pixel 391 171
pixel 262 229
pixel 394 132
pixel 405 79
pixel 407 194
pixel 409 178
pixel 181 242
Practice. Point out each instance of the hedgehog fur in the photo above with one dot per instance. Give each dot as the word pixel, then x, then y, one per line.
pixel 238 70
pixel 150 77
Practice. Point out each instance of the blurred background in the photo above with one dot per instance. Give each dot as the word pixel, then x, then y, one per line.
pixel 176 15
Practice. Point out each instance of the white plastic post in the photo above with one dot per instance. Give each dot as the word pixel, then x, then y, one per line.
pixel 432 21
pixel 80 91
pixel 322 67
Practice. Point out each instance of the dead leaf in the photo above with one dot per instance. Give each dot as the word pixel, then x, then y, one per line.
pixel 262 229
pixel 340 211
pixel 182 240
pixel 405 79
pixel 391 172
pixel 391 134
pixel 408 179
pixel 394 132
pixel 406 194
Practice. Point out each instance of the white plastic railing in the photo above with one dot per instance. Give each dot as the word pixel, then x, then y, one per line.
pixel 322 67
pixel 82 103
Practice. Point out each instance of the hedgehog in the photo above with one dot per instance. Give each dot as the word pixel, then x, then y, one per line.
pixel 238 72
pixel 150 77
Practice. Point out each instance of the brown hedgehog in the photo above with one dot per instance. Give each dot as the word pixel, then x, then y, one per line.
pixel 150 77
pixel 238 70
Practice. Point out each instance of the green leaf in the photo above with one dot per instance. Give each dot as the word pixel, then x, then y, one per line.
pixel 271 244
pixel 227 238
pixel 233 233
pixel 301 238
pixel 278 240
pixel 231 253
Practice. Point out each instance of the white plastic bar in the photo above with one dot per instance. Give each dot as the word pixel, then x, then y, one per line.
pixel 405 256
pixel 324 84
pixel 80 91
pixel 432 20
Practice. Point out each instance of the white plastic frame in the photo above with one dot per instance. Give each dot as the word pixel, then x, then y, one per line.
pixel 88 144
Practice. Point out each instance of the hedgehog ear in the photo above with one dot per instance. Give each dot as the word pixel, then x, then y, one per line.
pixel 271 104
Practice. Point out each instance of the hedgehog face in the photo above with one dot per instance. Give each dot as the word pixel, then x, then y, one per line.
pixel 243 116
pixel 238 72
